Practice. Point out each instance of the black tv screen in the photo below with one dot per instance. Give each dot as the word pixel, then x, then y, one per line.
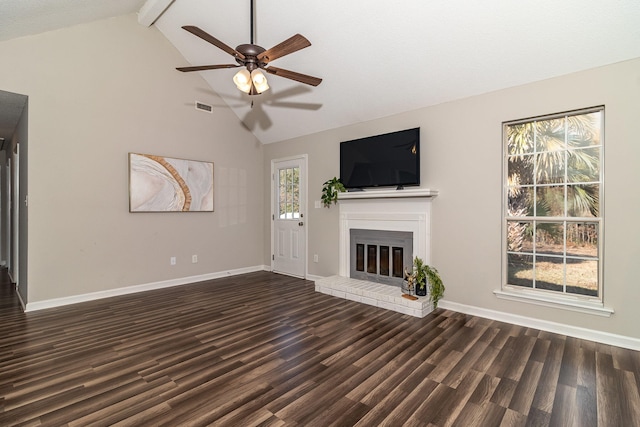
pixel 391 159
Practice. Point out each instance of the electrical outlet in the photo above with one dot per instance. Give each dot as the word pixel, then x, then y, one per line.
pixel 194 259
pixel 173 260
pixel 318 204
pixel 315 257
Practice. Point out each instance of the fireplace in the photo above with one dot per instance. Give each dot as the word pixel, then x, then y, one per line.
pixel 403 211
pixel 380 256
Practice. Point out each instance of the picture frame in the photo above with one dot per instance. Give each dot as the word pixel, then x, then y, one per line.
pixel 167 184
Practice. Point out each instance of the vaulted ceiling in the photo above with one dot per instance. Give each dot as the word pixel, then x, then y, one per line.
pixel 376 58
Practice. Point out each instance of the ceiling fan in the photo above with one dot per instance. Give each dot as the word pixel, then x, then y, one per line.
pixel 253 58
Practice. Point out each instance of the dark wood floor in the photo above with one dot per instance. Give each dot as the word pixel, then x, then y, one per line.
pixel 265 349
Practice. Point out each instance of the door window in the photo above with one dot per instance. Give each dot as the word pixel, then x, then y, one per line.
pixel 289 193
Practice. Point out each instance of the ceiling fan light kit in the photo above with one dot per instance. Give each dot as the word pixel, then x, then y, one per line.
pixel 242 79
pixel 246 82
pixel 259 81
pixel 252 57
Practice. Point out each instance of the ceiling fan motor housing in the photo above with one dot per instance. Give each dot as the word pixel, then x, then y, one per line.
pixel 250 52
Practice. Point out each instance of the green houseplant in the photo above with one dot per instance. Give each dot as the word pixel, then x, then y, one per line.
pixel 424 275
pixel 330 190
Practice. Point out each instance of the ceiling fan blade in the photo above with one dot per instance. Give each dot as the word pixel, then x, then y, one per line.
pixel 295 105
pixel 292 44
pixel 302 78
pixel 214 41
pixel 206 67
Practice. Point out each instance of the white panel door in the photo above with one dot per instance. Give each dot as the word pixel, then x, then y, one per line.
pixel 289 228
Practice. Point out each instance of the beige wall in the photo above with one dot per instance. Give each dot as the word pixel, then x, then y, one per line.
pixel 462 158
pixel 97 92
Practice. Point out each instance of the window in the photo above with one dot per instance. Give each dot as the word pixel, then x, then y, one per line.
pixel 289 193
pixel 553 189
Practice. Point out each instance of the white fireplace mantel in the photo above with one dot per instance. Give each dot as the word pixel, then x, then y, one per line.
pixel 387 194
pixel 392 210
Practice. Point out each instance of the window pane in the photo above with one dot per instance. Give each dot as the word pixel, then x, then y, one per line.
pixel 550 201
pixel 582 239
pixel 584 165
pixel 520 201
pixel 582 200
pixel 520 138
pixel 520 170
pixel 549 273
pixel 550 135
pixel 289 195
pixel 520 270
pixel 519 236
pixel 584 129
pixel 550 238
pixel 282 197
pixel 296 192
pixel 550 167
pixel 582 277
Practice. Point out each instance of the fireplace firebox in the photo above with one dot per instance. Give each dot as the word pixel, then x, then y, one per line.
pixel 380 256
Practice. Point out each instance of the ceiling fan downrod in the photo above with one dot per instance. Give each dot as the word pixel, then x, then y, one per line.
pixel 252 25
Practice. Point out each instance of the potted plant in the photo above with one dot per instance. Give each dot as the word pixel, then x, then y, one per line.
pixel 424 275
pixel 330 190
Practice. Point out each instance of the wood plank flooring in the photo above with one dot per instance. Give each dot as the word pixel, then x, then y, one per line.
pixel 266 350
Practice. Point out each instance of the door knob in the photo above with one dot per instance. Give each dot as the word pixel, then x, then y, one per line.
pixel 301 223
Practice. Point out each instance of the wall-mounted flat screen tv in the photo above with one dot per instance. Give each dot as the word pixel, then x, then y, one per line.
pixel 391 159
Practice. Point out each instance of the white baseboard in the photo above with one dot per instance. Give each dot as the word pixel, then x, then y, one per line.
pixel 314 278
pixel 544 325
pixel 58 302
pixel 24 306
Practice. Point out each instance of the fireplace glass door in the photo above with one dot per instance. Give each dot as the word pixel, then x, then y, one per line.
pixel 380 256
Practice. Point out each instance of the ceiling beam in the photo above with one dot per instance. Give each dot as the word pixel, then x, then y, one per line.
pixel 151 10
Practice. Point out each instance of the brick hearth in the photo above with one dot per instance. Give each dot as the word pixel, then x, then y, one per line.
pixel 384 296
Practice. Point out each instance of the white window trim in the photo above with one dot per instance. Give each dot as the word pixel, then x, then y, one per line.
pixel 545 299
pixel 571 302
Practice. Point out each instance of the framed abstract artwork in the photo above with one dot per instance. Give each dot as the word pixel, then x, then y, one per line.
pixel 165 184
